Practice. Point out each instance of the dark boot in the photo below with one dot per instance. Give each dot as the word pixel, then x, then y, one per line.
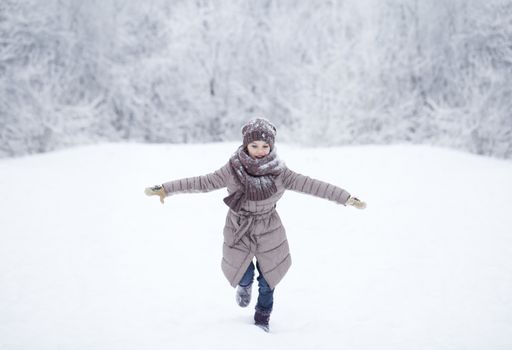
pixel 261 319
pixel 243 295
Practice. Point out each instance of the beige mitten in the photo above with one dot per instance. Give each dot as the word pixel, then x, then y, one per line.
pixel 157 190
pixel 355 202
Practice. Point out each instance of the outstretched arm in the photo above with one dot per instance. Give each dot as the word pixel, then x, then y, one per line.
pixel 204 183
pixel 304 184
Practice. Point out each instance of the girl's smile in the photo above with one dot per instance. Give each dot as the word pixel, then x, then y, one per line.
pixel 258 149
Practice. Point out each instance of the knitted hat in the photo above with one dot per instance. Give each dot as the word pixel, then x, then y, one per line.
pixel 259 129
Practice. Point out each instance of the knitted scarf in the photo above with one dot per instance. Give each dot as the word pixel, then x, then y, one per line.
pixel 256 177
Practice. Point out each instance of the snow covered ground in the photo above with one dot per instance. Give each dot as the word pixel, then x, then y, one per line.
pixel 88 262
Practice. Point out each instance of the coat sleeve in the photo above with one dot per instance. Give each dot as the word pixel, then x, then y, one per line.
pixel 204 183
pixel 304 184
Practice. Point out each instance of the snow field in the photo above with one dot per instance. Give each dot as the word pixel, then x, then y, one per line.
pixel 87 261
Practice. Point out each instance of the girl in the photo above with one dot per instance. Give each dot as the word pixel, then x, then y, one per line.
pixel 255 179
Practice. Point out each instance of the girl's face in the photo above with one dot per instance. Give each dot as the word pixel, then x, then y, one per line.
pixel 258 149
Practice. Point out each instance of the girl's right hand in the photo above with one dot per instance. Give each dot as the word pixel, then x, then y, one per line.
pixel 157 190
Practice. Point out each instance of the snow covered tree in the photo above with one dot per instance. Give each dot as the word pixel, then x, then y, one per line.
pixel 331 71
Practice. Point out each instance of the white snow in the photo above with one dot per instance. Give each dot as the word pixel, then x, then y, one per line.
pixel 87 261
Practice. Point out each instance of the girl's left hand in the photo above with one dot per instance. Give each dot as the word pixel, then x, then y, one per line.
pixel 356 202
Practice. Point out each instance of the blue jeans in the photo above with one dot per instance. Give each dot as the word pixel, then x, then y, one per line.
pixel 266 294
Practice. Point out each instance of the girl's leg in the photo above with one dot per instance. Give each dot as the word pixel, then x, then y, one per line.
pixel 248 276
pixel 266 294
pixel 244 289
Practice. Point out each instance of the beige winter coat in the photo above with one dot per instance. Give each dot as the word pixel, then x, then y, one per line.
pixel 256 231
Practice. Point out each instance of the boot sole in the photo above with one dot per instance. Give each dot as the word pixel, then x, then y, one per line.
pixel 266 328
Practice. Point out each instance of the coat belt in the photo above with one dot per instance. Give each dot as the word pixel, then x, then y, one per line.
pixel 246 221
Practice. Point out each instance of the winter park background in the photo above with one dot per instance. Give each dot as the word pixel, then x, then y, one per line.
pixel 405 103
